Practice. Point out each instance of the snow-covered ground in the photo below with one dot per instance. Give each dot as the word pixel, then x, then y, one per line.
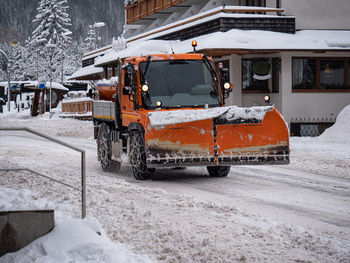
pixel 294 213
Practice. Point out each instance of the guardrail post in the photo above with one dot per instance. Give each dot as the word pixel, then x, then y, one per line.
pixel 83 185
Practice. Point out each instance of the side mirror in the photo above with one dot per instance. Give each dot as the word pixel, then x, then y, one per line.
pixel 127 90
pixel 129 72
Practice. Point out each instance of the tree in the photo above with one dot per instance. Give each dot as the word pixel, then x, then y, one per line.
pixel 90 41
pixel 52 22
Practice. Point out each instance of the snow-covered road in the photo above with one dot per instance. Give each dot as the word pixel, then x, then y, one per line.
pixel 293 213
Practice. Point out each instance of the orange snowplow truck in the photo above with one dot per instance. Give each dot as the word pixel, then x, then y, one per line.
pixel 168 111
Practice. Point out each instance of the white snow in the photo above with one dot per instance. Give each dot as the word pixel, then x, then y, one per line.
pixel 71 240
pixel 86 71
pixel 237 39
pixel 34 84
pixel 163 118
pixel 141 48
pixel 340 131
pixel 295 213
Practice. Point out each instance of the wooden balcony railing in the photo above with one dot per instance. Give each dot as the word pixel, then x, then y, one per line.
pixel 144 8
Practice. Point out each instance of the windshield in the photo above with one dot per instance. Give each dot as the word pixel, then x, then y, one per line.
pixel 179 83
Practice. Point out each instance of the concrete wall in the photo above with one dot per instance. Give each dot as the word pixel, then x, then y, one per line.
pixel 319 14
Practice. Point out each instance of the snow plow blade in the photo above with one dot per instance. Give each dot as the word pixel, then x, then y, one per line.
pixel 224 136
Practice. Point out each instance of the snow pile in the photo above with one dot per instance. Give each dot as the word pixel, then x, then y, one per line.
pixel 52 126
pixel 18 200
pixel 231 113
pixel 339 132
pixel 72 240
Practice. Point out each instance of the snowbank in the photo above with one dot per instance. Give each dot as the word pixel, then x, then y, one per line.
pixel 72 240
pixel 272 214
pixel 339 132
pixel 160 118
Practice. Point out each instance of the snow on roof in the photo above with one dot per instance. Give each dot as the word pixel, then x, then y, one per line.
pixel 86 71
pixel 268 40
pixel 28 84
pixel 140 48
pixel 238 39
pixel 97 52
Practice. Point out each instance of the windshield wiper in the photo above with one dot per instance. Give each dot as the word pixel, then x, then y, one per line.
pixel 146 67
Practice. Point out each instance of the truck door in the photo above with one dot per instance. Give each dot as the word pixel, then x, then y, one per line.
pixel 129 89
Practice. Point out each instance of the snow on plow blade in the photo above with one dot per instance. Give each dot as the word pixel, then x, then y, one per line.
pixel 217 136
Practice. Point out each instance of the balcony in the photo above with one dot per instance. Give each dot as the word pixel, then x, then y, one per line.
pixel 140 9
pixel 223 24
pixel 220 19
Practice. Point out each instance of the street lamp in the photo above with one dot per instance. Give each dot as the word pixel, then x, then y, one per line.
pixel 68 33
pixel 6 67
pixel 97 25
pixel 51 48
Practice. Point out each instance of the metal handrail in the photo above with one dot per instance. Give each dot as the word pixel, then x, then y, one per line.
pixel 58 141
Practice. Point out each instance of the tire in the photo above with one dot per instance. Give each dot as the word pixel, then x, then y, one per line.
pixel 218 171
pixel 137 157
pixel 104 147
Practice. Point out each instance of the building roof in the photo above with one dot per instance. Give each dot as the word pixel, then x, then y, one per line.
pixel 239 42
pixel 86 73
pixel 34 85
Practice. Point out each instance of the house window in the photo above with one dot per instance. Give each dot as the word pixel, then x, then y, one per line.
pixel 260 75
pixel 254 3
pixel 320 74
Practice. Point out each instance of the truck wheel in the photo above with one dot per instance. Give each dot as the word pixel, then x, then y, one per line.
pixel 218 171
pixel 105 150
pixel 138 157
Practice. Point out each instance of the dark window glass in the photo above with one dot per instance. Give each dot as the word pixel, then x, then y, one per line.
pixel 260 75
pixel 304 73
pixel 180 83
pixel 332 74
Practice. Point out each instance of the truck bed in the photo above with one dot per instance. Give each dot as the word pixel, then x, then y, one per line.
pixel 104 110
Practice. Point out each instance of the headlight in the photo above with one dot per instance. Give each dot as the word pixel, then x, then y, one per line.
pixel 159 103
pixel 267 98
pixel 144 88
pixel 227 86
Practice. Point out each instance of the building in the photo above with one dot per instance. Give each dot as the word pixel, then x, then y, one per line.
pixel 295 51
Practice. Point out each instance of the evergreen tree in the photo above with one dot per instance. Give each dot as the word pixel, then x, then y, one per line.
pixel 31 62
pixel 90 41
pixel 51 36
pixel 17 62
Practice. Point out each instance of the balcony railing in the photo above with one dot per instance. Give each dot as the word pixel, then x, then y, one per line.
pixel 139 9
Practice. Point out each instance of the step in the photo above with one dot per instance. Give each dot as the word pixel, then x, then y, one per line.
pixel 19 228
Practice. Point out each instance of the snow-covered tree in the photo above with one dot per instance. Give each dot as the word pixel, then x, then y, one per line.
pixel 51 35
pixel 52 22
pixel 17 61
pixel 90 41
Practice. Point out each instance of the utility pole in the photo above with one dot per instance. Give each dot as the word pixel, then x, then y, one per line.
pixel 6 67
pixel 50 48
pixel 96 25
